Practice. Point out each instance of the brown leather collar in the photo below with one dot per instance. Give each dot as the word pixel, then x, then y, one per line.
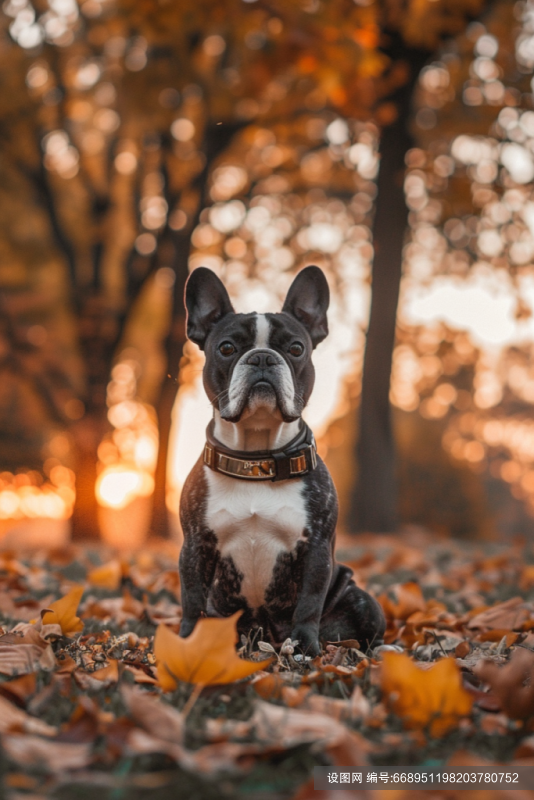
pixel 296 459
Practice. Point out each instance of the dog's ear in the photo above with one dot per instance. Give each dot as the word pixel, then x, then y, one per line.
pixel 206 301
pixel 307 300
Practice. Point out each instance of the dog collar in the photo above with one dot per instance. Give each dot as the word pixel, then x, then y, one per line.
pixel 296 459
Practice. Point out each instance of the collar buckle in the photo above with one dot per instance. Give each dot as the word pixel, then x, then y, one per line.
pixel 269 466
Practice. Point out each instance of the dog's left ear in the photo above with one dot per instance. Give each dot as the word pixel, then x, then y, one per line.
pixel 206 301
pixel 307 300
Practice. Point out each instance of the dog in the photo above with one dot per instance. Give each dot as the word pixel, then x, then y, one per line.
pixel 259 508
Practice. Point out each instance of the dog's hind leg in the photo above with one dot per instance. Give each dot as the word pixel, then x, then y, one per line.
pixel 351 613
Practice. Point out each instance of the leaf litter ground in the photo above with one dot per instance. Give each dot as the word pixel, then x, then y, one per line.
pixel 99 694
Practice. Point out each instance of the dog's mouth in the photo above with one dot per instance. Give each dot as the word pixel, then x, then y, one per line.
pixel 259 395
pixel 262 394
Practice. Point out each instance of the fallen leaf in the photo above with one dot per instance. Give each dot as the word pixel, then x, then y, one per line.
pixel 140 675
pixel 357 707
pixel 433 697
pixel 269 687
pixel 53 756
pixel 119 609
pixel 99 678
pixel 15 719
pixel 495 635
pixel 86 722
pixel 512 684
pixel 24 651
pixel 402 600
pixel 462 650
pixel 293 696
pixel 24 610
pixel 108 576
pixel 20 688
pixel 288 727
pixel 349 643
pixel 155 716
pixel 206 657
pixel 63 612
pixel 67 665
pixel 510 615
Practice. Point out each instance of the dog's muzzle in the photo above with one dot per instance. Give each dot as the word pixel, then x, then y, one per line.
pixel 296 459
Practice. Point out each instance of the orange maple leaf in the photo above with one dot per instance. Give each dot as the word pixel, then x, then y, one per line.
pixel 431 697
pixel 206 657
pixel 63 612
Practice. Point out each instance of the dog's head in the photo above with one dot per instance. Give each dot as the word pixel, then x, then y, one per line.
pixel 257 361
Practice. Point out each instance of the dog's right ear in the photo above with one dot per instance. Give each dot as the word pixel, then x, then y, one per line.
pixel 206 301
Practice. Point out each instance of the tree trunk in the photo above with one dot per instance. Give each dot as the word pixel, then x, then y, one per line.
pixel 217 138
pixel 87 436
pixel 174 349
pixel 98 327
pixel 374 503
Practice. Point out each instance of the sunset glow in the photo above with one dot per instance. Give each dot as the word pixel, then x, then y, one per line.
pixel 26 496
pixel 128 454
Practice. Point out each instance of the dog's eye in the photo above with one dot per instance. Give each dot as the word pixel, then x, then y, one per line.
pixel 227 349
pixel 296 349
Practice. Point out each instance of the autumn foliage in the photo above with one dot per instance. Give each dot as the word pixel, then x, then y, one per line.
pixel 103 663
pixel 206 657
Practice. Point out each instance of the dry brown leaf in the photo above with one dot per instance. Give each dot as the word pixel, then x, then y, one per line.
pixel 349 643
pixel 120 609
pixel 23 651
pixel 357 707
pixel 25 610
pixel 270 686
pixel 21 688
pixel 49 632
pixel 513 683
pixel 99 678
pixel 63 612
pixel 140 675
pixel 462 650
pixel 289 727
pixel 280 728
pixel 510 615
pixel 208 760
pixel 206 657
pixel 67 665
pixel 495 635
pixel 402 600
pixel 108 576
pixel 165 611
pixel 15 719
pixel 294 696
pixel 155 716
pixel 53 756
pixel 432 697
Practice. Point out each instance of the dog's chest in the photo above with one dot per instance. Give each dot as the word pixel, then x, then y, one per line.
pixel 254 523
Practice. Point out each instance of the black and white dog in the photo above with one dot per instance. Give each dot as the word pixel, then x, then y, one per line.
pixel 259 508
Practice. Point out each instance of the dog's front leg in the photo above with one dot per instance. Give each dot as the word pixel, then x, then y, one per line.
pixel 318 567
pixel 198 559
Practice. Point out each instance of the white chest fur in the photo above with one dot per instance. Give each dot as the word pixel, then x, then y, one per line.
pixel 254 523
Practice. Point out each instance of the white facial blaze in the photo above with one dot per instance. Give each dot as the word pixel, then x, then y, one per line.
pixel 263 330
pixel 280 373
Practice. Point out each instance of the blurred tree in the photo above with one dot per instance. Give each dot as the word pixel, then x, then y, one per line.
pixel 115 120
pixel 410 37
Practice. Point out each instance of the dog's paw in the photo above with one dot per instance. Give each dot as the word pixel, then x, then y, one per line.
pixel 308 640
pixel 186 627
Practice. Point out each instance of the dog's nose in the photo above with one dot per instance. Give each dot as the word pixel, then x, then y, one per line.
pixel 262 359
